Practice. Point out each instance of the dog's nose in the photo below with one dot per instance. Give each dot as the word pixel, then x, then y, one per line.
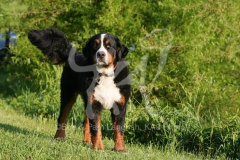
pixel 101 54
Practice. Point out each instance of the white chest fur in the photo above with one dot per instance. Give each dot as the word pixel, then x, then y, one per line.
pixel 106 92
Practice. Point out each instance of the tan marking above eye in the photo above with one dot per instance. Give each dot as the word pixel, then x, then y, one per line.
pixel 107 42
pixel 97 41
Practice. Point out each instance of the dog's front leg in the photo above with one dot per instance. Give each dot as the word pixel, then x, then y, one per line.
pixel 86 130
pixel 95 127
pixel 118 125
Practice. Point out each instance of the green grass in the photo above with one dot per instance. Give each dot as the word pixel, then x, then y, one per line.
pixel 23 137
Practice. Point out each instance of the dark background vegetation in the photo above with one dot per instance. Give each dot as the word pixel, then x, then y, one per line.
pixel 192 105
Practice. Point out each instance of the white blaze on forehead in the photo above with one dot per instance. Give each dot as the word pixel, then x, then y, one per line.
pixel 102 38
pixel 102 63
pixel 103 49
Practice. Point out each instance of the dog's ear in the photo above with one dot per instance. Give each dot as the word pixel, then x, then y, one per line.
pixel 122 50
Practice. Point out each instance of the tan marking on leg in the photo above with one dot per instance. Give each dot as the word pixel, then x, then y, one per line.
pixel 97 139
pixel 118 139
pixel 86 130
pixel 60 133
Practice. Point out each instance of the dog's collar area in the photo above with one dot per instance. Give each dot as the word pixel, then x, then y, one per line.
pixel 102 75
pixel 106 75
pixel 115 67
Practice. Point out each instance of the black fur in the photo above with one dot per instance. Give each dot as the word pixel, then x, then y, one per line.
pixel 52 43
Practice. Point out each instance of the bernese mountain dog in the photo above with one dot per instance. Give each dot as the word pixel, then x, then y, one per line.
pixel 106 85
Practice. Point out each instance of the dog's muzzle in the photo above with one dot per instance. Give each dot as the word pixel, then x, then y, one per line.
pixel 101 58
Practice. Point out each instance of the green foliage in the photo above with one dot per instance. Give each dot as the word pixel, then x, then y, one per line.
pixel 191 103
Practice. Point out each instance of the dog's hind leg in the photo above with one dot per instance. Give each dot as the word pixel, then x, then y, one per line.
pixel 67 100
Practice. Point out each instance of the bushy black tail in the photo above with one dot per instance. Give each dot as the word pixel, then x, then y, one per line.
pixel 52 43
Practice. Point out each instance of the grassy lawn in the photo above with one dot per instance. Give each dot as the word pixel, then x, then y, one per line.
pixel 23 137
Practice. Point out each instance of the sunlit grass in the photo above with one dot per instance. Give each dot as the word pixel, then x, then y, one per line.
pixel 32 138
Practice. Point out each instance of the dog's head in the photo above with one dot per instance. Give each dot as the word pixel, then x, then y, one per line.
pixel 105 51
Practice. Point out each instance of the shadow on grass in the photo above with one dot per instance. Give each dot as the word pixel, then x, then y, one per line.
pixel 15 129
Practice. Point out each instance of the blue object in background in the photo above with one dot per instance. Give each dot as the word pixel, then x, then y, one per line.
pixel 12 40
pixel 2 40
pixel 7 43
